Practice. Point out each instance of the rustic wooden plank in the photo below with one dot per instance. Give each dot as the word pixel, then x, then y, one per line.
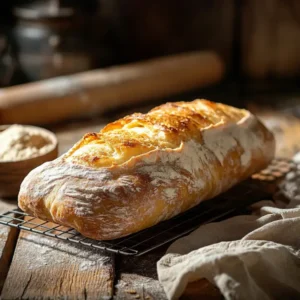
pixel 270 38
pixel 8 239
pixel 47 268
pixel 137 277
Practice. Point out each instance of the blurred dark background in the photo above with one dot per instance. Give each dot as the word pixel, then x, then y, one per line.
pixel 259 40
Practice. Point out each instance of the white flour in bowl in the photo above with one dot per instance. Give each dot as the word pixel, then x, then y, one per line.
pixel 23 142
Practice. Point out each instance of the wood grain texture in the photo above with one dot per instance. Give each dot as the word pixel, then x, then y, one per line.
pixel 270 38
pixel 137 277
pixel 46 268
pixel 172 26
pixel 8 239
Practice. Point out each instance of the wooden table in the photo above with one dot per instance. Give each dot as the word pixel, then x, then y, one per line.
pixel 37 267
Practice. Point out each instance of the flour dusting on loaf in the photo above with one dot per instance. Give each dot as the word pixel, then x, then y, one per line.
pixel 146 168
pixel 226 137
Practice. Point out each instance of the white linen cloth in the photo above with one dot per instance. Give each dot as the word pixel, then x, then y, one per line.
pixel 247 257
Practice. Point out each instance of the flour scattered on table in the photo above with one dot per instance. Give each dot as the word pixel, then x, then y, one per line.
pixel 89 264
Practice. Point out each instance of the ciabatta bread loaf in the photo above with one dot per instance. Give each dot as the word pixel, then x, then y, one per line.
pixel 146 168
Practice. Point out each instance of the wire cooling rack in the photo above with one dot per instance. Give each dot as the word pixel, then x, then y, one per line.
pixel 231 203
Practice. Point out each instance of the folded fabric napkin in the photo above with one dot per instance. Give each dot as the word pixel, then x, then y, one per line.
pixel 247 257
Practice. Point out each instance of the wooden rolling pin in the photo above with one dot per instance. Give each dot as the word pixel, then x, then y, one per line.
pixel 97 91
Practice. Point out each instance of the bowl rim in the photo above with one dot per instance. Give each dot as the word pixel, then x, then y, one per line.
pixel 46 131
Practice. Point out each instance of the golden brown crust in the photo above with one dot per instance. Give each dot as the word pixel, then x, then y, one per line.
pixel 146 168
